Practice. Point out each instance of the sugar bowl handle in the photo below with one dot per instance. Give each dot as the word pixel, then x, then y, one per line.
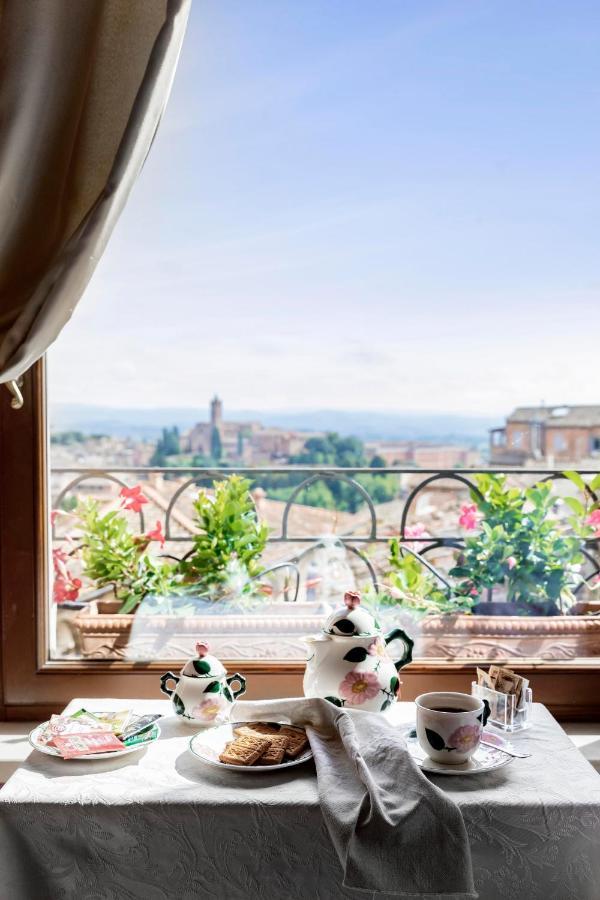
pixel 398 634
pixel 168 676
pixel 242 682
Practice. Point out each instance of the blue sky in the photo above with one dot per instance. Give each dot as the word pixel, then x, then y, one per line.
pixel 388 205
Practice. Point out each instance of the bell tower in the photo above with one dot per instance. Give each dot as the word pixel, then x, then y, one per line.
pixel 216 412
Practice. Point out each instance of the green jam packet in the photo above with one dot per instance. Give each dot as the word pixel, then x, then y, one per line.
pixel 145 737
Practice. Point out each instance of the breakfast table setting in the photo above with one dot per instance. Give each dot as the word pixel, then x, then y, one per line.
pixel 343 793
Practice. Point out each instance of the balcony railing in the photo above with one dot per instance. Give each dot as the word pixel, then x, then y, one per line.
pixel 372 524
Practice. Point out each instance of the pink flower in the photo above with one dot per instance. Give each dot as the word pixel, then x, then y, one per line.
pixel 511 562
pixel 133 499
pixel 417 530
pixel 468 518
pixel 377 648
pixel 594 520
pixel 156 534
pixel 358 687
pixel 465 738
pixel 54 515
pixel 210 708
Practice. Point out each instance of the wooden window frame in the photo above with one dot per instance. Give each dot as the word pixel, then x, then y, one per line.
pixel 32 686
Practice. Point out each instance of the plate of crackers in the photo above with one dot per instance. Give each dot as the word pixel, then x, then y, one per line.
pixel 252 746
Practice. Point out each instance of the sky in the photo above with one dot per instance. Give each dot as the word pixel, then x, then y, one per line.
pixel 354 205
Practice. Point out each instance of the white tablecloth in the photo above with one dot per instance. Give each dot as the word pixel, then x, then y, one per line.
pixel 159 825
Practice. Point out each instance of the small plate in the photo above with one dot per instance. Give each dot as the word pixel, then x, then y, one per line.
pixel 485 759
pixel 207 745
pixel 34 740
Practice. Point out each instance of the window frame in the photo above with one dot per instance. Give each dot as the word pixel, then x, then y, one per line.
pixel 32 686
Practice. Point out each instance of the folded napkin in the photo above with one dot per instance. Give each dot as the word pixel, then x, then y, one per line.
pixel 393 830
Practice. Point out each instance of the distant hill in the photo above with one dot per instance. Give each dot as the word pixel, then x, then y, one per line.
pixel 146 424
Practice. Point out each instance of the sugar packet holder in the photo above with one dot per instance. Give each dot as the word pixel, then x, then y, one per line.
pixel 504 711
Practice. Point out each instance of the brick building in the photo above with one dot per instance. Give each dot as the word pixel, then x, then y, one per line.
pixel 547 435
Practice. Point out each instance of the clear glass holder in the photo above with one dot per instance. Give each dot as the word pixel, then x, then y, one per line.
pixel 504 712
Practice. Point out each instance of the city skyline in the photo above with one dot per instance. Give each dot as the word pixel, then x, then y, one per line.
pixel 392 212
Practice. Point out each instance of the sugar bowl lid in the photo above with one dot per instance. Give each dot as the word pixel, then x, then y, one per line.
pixel 203 665
pixel 352 620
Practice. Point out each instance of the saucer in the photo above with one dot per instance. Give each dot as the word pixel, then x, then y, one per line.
pixel 485 759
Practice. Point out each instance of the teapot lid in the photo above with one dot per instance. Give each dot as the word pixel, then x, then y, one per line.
pixel 203 665
pixel 352 620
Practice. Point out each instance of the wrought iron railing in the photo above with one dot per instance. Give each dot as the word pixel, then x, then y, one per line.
pixel 355 543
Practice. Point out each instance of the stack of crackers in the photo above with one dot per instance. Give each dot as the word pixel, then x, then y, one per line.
pixel 505 681
pixel 264 744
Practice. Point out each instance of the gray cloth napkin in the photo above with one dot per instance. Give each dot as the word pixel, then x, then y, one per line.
pixel 393 830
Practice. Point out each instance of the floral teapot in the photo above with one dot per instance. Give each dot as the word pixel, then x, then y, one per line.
pixel 348 662
pixel 203 694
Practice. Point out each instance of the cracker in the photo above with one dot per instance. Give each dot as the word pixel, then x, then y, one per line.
pixel 244 750
pixel 276 751
pixel 256 729
pixel 297 740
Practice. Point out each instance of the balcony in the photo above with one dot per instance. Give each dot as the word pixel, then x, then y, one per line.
pixel 314 552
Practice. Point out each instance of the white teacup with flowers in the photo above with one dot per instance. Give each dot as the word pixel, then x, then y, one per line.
pixel 449 725
pixel 203 693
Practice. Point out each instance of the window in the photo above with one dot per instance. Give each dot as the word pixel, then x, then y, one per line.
pixel 290 267
pixel 559 442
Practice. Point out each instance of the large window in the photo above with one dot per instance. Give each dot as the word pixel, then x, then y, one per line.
pixel 353 259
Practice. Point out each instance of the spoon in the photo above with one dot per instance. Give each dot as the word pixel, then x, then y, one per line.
pixel 518 754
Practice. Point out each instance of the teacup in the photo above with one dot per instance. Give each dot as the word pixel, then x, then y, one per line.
pixel 449 725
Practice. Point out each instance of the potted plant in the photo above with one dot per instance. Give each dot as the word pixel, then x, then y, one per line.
pixel 523 560
pixel 523 550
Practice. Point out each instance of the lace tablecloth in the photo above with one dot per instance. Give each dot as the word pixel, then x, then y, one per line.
pixel 159 825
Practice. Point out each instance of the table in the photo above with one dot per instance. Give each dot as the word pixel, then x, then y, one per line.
pixel 159 825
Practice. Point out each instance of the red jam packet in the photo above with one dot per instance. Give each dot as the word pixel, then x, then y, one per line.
pixel 73 745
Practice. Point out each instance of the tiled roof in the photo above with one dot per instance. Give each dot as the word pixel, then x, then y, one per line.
pixel 572 416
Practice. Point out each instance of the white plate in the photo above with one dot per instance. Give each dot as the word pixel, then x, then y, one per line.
pixel 207 745
pixel 485 759
pixel 111 754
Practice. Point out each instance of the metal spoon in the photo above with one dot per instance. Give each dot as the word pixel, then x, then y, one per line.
pixel 519 754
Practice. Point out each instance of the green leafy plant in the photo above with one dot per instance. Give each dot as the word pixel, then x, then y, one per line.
pixel 230 539
pixel 521 544
pixel 112 554
pixel 411 584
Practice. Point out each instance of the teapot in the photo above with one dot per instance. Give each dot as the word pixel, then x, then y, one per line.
pixel 203 693
pixel 348 662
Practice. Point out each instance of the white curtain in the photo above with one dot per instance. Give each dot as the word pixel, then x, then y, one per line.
pixel 83 84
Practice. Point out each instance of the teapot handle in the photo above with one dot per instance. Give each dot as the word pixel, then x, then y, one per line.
pixel 168 676
pixel 242 688
pixel 397 633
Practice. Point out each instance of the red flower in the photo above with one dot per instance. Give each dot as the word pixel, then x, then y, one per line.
pixel 133 499
pixel 66 586
pixel 156 534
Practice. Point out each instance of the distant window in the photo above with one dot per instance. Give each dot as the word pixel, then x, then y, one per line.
pixel 596 445
pixel 559 443
pixel 559 411
pixel 517 439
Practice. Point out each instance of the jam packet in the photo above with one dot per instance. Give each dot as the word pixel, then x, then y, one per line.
pixel 76 724
pixel 118 721
pixel 139 724
pixel 72 745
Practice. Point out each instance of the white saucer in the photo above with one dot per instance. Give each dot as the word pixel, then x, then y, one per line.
pixel 208 744
pixel 485 759
pixel 34 740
